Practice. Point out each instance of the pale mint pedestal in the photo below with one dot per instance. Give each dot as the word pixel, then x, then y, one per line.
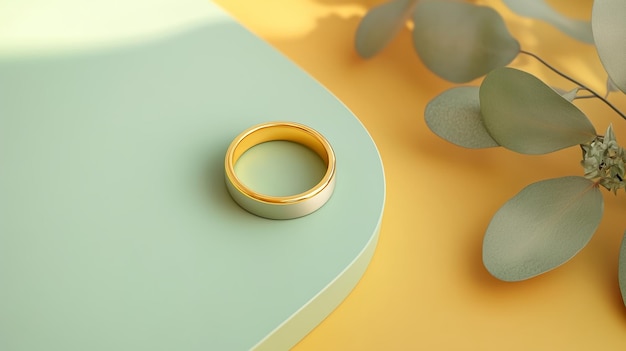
pixel 116 229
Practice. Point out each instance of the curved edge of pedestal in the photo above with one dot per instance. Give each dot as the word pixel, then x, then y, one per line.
pixel 298 325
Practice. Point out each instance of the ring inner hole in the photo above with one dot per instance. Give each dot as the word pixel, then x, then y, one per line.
pixel 280 161
pixel 280 168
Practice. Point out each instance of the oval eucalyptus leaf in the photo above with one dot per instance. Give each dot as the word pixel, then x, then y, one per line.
pixel 610 87
pixel 525 115
pixel 608 19
pixel 539 9
pixel 454 115
pixel 460 41
pixel 622 269
pixel 380 25
pixel 569 95
pixel 542 227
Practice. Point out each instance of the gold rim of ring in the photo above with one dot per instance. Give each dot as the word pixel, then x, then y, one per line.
pixel 275 131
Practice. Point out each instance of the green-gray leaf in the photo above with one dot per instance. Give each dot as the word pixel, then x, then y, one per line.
pixel 525 115
pixel 622 269
pixel 610 87
pixel 569 95
pixel 542 227
pixel 454 115
pixel 380 25
pixel 608 21
pixel 460 41
pixel 540 10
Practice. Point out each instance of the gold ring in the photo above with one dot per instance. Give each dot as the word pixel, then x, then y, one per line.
pixel 280 207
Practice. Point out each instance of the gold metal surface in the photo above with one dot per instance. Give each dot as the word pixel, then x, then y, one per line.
pixel 286 131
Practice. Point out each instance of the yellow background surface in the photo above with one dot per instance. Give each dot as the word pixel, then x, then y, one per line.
pixel 426 288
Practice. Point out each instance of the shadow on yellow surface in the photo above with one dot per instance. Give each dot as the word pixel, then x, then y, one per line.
pixel 426 287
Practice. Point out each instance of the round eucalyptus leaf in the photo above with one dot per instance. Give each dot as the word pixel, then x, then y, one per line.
pixel 380 25
pixel 542 227
pixel 454 115
pixel 525 115
pixel 622 269
pixel 539 9
pixel 461 41
pixel 608 20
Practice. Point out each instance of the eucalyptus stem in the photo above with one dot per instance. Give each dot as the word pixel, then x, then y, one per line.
pixel 581 85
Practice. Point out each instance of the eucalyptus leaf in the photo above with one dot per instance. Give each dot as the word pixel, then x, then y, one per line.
pixel 380 25
pixel 569 95
pixel 542 227
pixel 610 87
pixel 454 115
pixel 461 41
pixel 539 9
pixel 608 19
pixel 622 269
pixel 525 115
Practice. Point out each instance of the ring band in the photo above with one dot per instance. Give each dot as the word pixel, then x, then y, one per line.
pixel 280 207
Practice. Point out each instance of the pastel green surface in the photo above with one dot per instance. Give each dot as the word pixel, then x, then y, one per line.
pixel 116 229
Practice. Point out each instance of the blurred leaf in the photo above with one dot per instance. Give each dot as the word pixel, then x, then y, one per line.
pixel 454 115
pixel 525 115
pixel 380 25
pixel 610 87
pixel 542 227
pixel 608 20
pixel 622 269
pixel 461 41
pixel 568 95
pixel 539 9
